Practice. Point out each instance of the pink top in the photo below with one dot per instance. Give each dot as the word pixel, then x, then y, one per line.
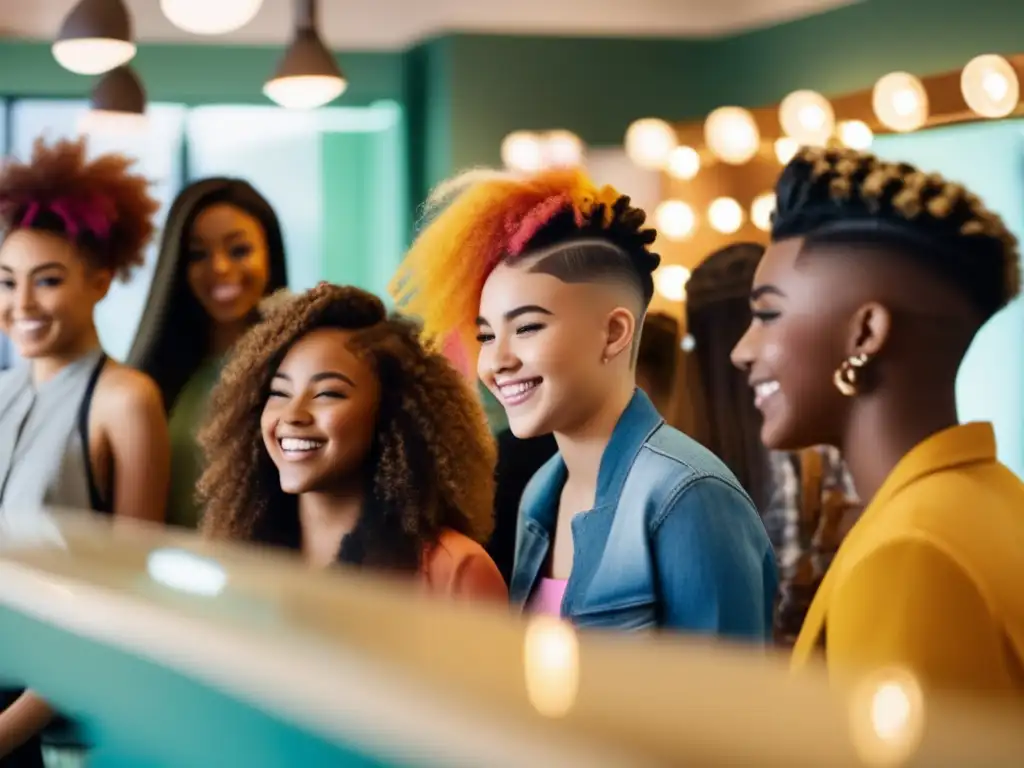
pixel 547 597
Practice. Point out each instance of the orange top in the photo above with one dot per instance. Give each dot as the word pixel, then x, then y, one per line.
pixel 459 567
pixel 931 578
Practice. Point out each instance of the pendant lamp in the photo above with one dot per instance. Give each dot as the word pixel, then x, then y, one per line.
pixel 117 106
pixel 95 37
pixel 307 76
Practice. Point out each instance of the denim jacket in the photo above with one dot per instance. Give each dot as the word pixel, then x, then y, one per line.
pixel 673 540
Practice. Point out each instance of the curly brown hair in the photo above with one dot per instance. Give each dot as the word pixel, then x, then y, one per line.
pixel 63 173
pixel 433 454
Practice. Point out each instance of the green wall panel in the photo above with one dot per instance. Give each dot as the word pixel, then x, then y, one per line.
pixel 195 74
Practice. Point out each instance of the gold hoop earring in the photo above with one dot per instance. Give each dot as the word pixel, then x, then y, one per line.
pixel 846 376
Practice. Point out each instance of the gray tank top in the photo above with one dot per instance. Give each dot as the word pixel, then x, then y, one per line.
pixel 44 441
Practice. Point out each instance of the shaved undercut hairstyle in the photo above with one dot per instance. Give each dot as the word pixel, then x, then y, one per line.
pixel 558 221
pixel 574 255
pixel 844 197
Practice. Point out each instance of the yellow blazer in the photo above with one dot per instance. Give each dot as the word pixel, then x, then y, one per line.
pixel 931 578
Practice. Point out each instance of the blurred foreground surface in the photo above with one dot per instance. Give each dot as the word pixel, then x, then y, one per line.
pixel 172 652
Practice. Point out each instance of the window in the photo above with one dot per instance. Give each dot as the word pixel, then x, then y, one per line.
pixel 335 176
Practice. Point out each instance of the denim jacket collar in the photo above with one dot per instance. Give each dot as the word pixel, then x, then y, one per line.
pixel 539 509
pixel 632 430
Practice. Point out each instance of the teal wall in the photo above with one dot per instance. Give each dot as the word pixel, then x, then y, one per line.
pixel 463 93
pixel 596 87
pixel 194 74
pixel 364 232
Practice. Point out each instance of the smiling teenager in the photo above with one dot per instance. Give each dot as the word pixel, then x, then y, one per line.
pixel 77 430
pixel 545 280
pixel 333 432
pixel 222 252
pixel 877 280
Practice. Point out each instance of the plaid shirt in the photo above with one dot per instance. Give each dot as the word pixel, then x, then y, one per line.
pixel 812 508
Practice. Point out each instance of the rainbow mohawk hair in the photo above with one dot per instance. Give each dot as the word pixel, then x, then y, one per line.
pixel 491 216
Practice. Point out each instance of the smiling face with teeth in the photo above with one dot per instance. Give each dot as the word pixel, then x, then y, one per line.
pixel 47 295
pixel 798 335
pixel 542 342
pixel 320 415
pixel 228 262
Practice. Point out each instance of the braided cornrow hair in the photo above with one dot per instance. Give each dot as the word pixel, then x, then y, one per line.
pixel 842 195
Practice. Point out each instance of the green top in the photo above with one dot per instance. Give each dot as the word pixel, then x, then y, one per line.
pixel 186 459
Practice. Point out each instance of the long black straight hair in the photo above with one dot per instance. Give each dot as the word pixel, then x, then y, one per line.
pixel 722 412
pixel 174 333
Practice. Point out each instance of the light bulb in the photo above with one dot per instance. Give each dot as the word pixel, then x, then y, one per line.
pixel 900 102
pixel 725 215
pixel 807 117
pixel 670 281
pixel 761 210
pixel 562 149
pixel 785 148
pixel 101 122
pixel 304 91
pixel 855 134
pixel 732 135
pixel 649 142
pixel 92 55
pixel 551 662
pixel 675 219
pixel 523 151
pixel 203 17
pixel 684 163
pixel 990 86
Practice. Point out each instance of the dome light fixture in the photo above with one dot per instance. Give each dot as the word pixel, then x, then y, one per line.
pixel 562 149
pixel 675 219
pixel 307 76
pixel 202 17
pixel 785 149
pixel 725 215
pixel 808 117
pixel 649 142
pixel 732 135
pixel 523 152
pixel 670 281
pixel 683 163
pixel 117 106
pixel 95 37
pixel 990 86
pixel 900 102
pixel 761 211
pixel 856 134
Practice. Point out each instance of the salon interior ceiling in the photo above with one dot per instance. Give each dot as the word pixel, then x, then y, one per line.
pixel 393 24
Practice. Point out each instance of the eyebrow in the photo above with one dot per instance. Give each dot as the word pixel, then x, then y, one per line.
pixel 40 268
pixel 237 234
pixel 512 314
pixel 765 290
pixel 322 376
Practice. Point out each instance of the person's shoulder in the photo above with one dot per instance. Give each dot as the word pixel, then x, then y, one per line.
pixel 676 455
pixel 125 390
pixel 460 566
pixel 455 546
